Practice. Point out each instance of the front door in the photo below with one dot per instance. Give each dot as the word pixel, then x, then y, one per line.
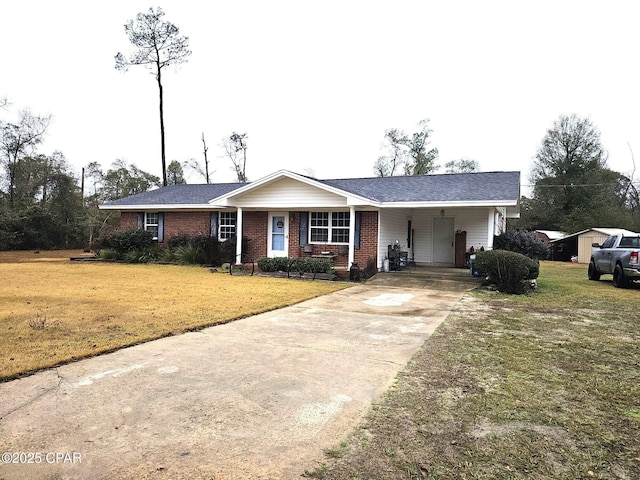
pixel 278 235
pixel 443 240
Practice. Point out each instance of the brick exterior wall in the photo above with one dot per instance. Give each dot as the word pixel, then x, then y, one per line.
pixel 128 220
pixel 175 223
pixel 368 240
pixel 255 228
pixel 186 223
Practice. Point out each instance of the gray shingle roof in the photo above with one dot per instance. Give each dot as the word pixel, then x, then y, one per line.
pixel 188 194
pixel 460 187
pixel 434 188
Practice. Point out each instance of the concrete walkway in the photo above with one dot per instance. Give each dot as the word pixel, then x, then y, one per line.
pixel 258 398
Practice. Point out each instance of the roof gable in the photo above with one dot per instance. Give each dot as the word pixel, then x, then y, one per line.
pixel 287 192
pixel 298 186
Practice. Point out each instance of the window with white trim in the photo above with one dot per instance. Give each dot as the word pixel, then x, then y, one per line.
pixel 227 225
pixel 329 227
pixel 340 227
pixel 151 220
pixel 319 224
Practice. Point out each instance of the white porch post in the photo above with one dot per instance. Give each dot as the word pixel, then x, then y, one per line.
pixel 490 228
pixel 352 235
pixel 238 235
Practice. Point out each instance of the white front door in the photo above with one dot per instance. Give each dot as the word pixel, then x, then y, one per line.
pixel 443 240
pixel 278 235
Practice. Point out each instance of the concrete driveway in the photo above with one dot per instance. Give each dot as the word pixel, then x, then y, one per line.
pixel 258 398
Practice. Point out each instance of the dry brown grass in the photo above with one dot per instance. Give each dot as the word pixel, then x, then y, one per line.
pixel 54 311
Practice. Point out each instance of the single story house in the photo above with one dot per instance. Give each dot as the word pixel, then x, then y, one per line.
pixel 578 244
pixel 435 218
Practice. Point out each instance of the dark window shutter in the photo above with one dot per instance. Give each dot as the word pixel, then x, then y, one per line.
pixel 358 229
pixel 214 225
pixel 304 228
pixel 160 227
pixel 140 219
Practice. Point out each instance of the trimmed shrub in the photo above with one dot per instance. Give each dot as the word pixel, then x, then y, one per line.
pixel 109 254
pixel 128 240
pixel 300 265
pixel 510 271
pixel 523 242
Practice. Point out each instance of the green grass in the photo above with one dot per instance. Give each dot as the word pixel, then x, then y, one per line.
pixel 539 386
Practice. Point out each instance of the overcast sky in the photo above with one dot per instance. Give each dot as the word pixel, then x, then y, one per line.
pixel 316 84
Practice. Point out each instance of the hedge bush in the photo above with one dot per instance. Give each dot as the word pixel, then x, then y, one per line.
pixel 523 242
pixel 510 271
pixel 301 265
pixel 128 240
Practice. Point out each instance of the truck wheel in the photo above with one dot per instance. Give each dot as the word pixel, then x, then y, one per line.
pixel 593 273
pixel 618 278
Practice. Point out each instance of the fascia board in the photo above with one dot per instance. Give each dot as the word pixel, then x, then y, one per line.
pixel 161 207
pixel 461 203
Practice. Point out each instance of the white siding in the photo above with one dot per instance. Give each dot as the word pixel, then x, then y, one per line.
pixel 471 220
pixel 393 226
pixel 289 193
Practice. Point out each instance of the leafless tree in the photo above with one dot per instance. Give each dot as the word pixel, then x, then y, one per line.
pixel 235 147
pixel 158 45
pixel 201 170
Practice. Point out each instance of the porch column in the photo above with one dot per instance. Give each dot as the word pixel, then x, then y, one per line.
pixel 239 235
pixel 490 226
pixel 352 235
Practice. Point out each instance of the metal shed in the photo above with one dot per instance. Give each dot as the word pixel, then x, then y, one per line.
pixel 579 244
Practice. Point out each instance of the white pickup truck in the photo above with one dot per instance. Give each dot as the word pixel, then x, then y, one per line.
pixel 618 255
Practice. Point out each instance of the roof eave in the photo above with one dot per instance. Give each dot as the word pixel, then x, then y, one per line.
pixel 456 203
pixel 160 206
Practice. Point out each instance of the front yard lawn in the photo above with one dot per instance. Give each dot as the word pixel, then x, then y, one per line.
pixel 54 311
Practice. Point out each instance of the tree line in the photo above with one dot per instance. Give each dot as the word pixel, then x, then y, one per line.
pixel 43 202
